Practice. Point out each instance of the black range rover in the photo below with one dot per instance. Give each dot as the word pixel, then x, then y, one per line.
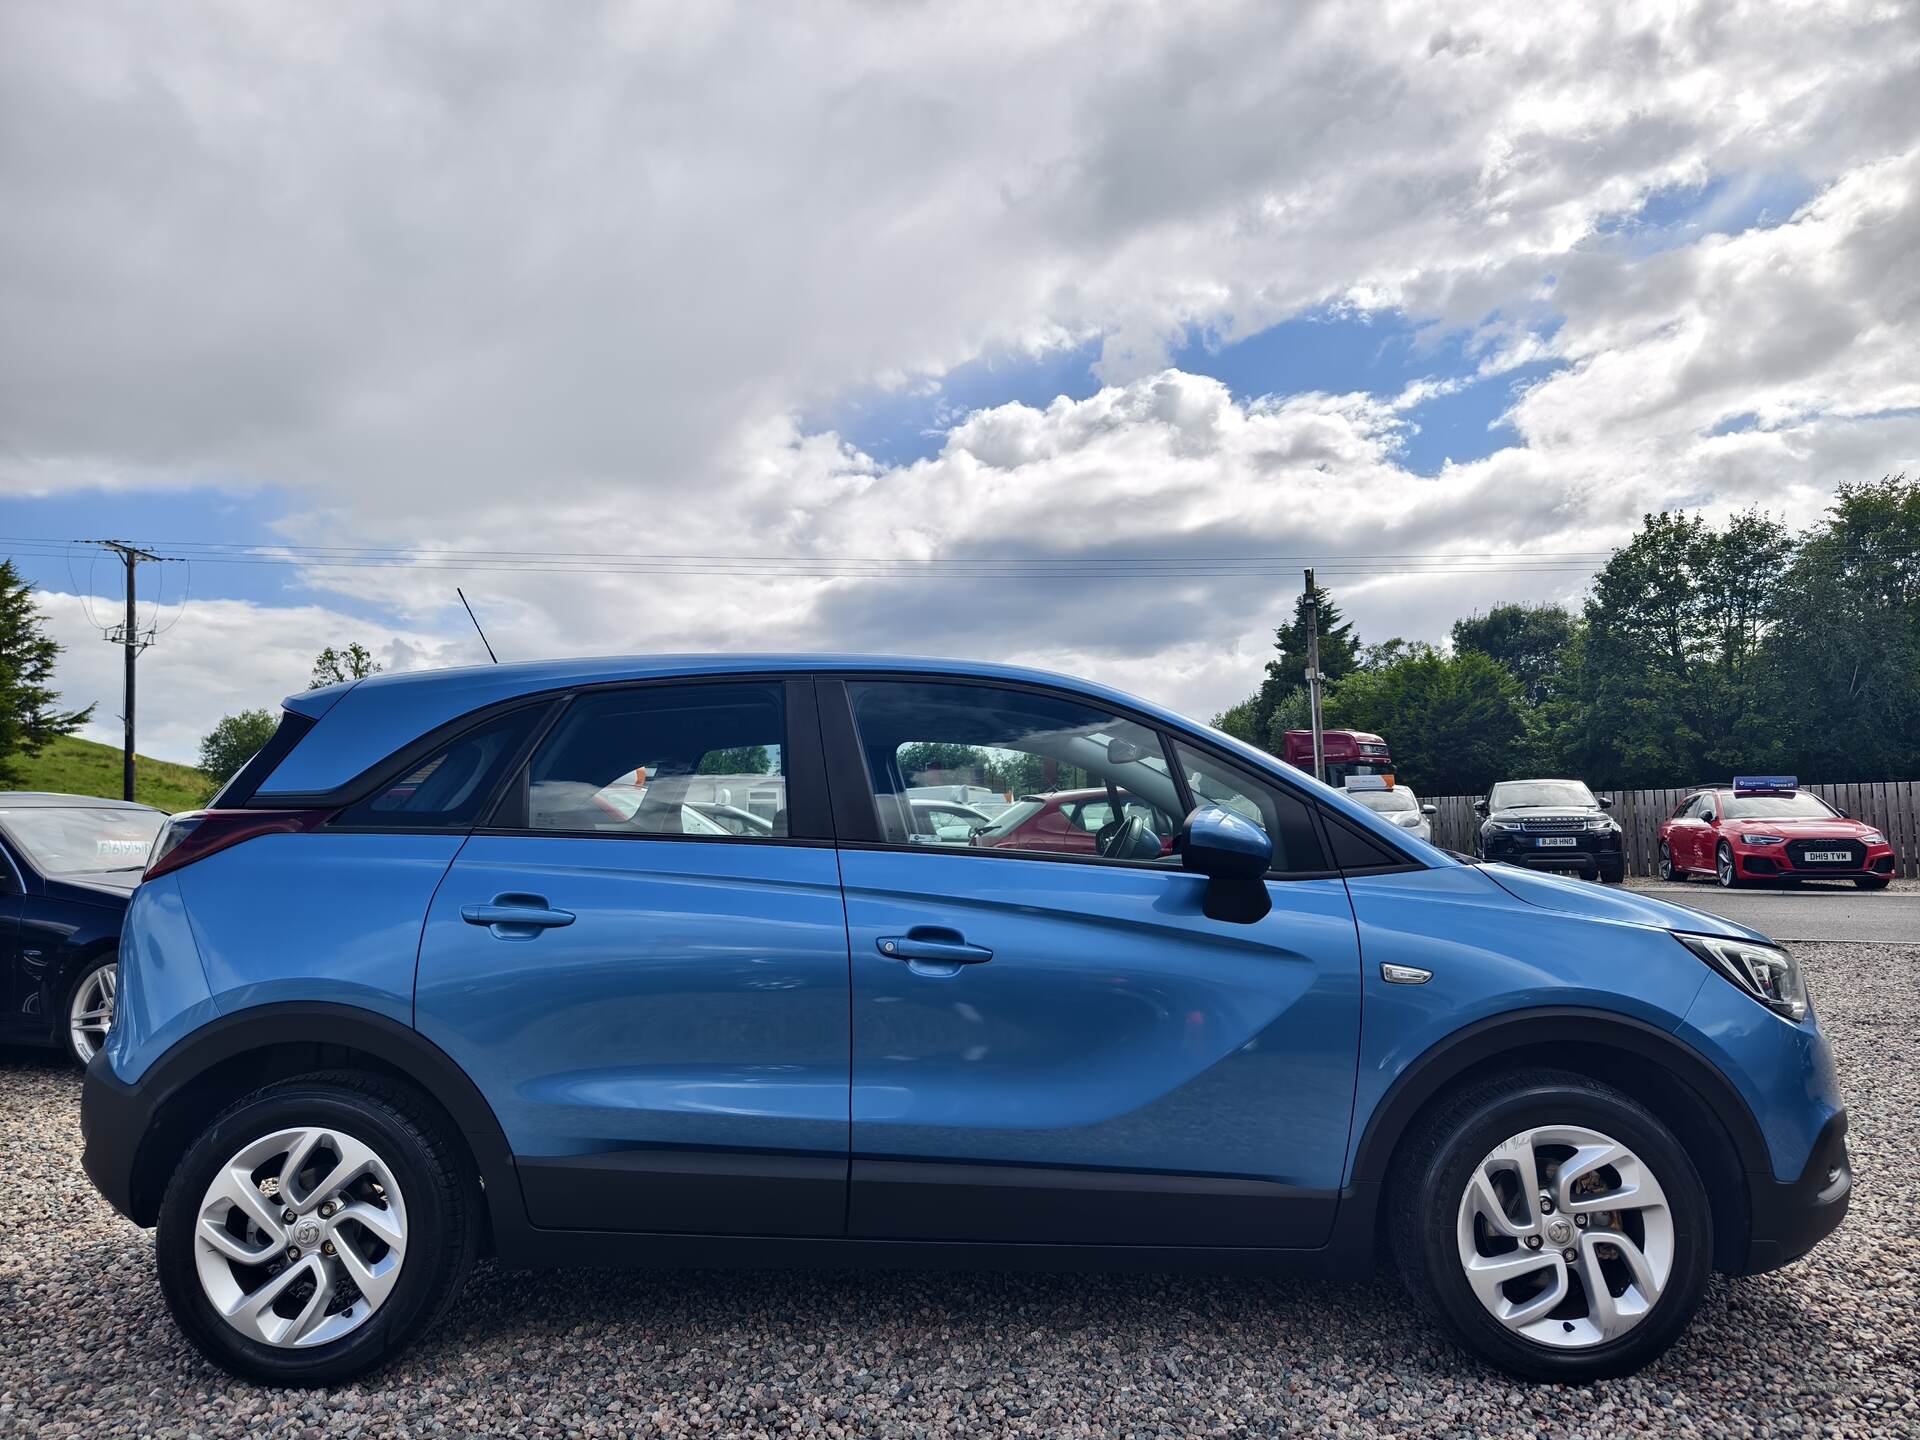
pixel 1550 825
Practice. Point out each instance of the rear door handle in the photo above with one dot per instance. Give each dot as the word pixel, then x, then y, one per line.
pixel 932 950
pixel 513 916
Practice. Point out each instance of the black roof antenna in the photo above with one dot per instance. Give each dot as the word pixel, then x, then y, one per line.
pixel 476 625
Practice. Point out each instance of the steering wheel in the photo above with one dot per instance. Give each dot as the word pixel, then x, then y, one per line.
pixel 1127 840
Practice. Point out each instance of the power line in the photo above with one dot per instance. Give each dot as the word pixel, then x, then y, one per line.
pixel 129 637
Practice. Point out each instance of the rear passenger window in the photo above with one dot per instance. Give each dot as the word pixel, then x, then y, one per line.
pixel 692 761
pixel 447 790
pixel 1283 815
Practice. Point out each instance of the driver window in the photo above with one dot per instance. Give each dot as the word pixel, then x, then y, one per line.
pixel 1045 775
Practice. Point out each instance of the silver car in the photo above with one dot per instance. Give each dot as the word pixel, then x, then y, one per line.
pixel 1400 806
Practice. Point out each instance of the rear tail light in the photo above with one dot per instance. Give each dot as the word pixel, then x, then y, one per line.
pixel 200 833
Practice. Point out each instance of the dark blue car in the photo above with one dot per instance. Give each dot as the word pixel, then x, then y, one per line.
pixel 67 865
pixel 461 964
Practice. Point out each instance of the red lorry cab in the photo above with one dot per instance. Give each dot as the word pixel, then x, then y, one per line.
pixel 1344 752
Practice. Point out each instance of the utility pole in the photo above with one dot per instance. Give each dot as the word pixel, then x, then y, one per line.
pixel 1314 676
pixel 127 635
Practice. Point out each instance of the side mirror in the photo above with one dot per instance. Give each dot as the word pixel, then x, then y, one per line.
pixel 1122 752
pixel 1235 855
pixel 1606 802
pixel 1479 807
pixel 1429 809
pixel 1841 812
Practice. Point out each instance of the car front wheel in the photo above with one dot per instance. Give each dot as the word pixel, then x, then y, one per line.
pixel 1668 870
pixel 1871 882
pixel 1723 870
pixel 1553 1224
pixel 316 1228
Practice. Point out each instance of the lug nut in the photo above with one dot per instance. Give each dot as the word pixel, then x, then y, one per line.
pixel 1546 1204
pixel 293 1252
pixel 1581 1221
pixel 1569 1254
pixel 1533 1242
pixel 326 1247
pixel 289 1215
pixel 327 1209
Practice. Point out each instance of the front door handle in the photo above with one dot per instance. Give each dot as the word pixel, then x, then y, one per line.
pixel 932 950
pixel 513 916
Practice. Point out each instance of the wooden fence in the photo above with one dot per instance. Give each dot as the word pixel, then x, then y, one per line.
pixel 1893 806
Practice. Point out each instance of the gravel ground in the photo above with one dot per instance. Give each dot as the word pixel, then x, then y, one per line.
pixel 1829 1346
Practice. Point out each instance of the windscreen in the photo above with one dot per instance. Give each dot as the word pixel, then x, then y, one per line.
pixel 1778 807
pixel 74 842
pixel 1385 802
pixel 1540 794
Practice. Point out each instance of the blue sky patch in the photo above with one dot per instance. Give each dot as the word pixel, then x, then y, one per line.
pixel 1678 215
pixel 1333 351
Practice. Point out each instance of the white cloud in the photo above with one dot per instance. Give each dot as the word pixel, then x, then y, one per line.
pixel 485 276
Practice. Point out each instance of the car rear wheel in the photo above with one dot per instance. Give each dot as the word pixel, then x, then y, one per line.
pixel 1871 882
pixel 90 1009
pixel 1554 1225
pixel 315 1229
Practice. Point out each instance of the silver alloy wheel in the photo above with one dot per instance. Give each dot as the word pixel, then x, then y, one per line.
pixel 301 1237
pixel 1667 872
pixel 1723 867
pixel 90 1015
pixel 1565 1236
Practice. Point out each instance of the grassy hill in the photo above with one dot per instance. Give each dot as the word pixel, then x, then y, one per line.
pixel 82 767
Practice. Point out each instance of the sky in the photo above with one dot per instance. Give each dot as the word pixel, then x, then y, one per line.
pixel 1055 334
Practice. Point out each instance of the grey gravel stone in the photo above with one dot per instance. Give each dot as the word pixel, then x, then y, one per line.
pixel 1830 1346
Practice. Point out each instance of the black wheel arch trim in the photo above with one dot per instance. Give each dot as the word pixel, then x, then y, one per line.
pixel 1488 1039
pixel 117 1116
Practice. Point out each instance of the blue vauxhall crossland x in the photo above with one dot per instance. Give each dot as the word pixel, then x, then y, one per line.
pixel 696 961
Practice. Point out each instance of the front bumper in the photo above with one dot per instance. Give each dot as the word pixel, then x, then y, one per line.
pixel 1592 853
pixel 1789 1218
pixel 114 1117
pixel 1779 862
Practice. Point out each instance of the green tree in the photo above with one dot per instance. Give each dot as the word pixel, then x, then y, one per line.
pixel 29 705
pixel 1841 657
pixel 736 760
pixel 1673 627
pixel 1456 723
pixel 928 755
pixel 334 667
pixel 233 742
pixel 1237 721
pixel 1529 640
pixel 1286 673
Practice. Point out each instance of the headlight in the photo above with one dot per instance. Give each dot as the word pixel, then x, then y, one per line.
pixel 1411 821
pixel 1503 825
pixel 1765 839
pixel 1600 822
pixel 1874 837
pixel 1766 972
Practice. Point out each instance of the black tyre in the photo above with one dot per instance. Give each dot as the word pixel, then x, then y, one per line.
pixel 87 1011
pixel 1613 875
pixel 317 1228
pixel 1871 882
pixel 1723 871
pixel 1517 1273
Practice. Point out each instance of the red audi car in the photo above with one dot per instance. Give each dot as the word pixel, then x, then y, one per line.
pixel 1068 822
pixel 1767 828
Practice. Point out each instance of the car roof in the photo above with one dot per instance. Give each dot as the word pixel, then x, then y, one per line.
pixel 361 722
pixel 53 800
